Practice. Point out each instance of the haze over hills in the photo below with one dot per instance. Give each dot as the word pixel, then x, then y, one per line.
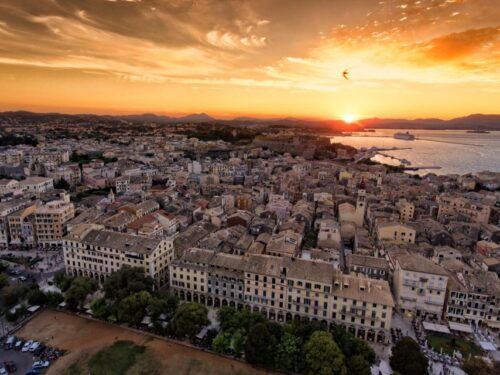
pixel 471 122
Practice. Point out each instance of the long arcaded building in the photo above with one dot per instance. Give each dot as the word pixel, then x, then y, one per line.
pixel 285 288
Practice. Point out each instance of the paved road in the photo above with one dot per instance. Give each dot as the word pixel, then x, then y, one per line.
pixel 24 361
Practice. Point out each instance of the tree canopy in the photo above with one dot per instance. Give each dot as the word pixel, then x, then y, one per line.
pixel 323 356
pixel 260 346
pixel 189 319
pixel 126 281
pixel 407 358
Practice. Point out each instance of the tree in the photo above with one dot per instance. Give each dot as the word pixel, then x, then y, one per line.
pixel 238 342
pixel 54 298
pixel 260 346
pixel 189 319
pixel 132 309
pixel 78 291
pixel 62 281
pixel 36 297
pixel 407 358
pixel 127 281
pixel 4 280
pixel 358 365
pixel 62 184
pixel 231 319
pixel 222 342
pixel 353 346
pixel 287 353
pixel 163 305
pixel 12 294
pixel 100 309
pixel 477 366
pixel 323 356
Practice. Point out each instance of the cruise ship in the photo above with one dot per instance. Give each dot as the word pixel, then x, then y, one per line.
pixel 404 136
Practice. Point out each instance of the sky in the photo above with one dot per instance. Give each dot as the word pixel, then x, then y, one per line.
pixel 276 58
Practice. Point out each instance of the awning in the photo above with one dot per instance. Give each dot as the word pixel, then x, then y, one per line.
pixel 488 346
pixel 454 326
pixel 428 326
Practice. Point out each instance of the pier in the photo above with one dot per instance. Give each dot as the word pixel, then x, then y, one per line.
pixel 453 143
pixel 418 168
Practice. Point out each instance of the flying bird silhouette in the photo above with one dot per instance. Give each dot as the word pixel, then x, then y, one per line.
pixel 345 74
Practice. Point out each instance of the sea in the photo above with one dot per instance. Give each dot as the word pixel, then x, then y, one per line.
pixel 455 151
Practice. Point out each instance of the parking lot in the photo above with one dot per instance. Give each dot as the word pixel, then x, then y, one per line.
pixel 19 356
pixel 22 360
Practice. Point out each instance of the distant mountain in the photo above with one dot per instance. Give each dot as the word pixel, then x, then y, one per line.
pixel 471 122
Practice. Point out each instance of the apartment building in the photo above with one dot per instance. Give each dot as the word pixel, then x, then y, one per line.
pixel 37 185
pixel 122 184
pixel 419 285
pixel 474 298
pixel 373 267
pixel 21 226
pixel 50 221
pixel 396 232
pixel 454 205
pixel 8 186
pixel 285 288
pixel 91 251
pixel 406 210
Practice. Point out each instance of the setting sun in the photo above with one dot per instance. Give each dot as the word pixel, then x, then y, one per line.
pixel 349 118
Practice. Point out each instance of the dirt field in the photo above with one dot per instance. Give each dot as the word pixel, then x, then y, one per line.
pixel 82 338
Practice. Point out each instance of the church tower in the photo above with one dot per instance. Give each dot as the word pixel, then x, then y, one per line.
pixel 361 204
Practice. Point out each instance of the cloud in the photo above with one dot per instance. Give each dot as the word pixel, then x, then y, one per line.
pixel 460 46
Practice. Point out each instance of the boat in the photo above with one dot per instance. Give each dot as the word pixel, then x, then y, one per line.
pixel 404 136
pixel 478 131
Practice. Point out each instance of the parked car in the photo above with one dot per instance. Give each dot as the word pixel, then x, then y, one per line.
pixel 3 371
pixel 18 345
pixel 27 345
pixel 10 366
pixel 9 343
pixel 38 365
pixel 34 346
pixel 39 350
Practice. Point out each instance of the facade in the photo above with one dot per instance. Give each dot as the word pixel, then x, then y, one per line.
pixel 91 251
pixel 474 298
pixel 396 232
pixel 50 222
pixel 419 285
pixel 406 210
pixel 37 185
pixel 376 268
pixel 284 288
pixel 450 205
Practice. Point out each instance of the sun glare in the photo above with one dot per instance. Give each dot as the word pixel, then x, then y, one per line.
pixel 349 118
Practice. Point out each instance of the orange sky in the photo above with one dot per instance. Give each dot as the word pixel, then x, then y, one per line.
pixel 427 58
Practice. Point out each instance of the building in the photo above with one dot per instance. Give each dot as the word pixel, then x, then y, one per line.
pixel 419 285
pixel 373 267
pixel 37 185
pixel 395 232
pixel 50 221
pixel 284 288
pixel 406 210
pixel 474 298
pixel 122 184
pixel 93 252
pixel 454 205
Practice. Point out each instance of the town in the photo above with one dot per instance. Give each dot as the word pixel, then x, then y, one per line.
pixel 192 225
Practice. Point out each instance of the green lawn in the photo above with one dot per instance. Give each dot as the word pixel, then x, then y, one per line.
pixel 449 344
pixel 115 359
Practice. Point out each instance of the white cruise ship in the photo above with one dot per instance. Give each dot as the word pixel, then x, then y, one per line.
pixel 404 136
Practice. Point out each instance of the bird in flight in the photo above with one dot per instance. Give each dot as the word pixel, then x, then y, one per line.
pixel 345 74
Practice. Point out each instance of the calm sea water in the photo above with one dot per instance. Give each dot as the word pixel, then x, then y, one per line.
pixel 456 152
